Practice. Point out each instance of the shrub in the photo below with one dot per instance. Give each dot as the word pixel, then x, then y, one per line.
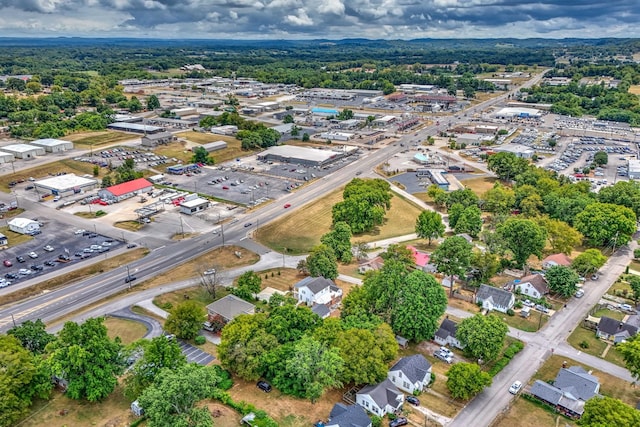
pixel 376 421
pixel 433 379
pixel 636 254
pixel 584 344
pixel 510 312
pixel 518 304
pixel 166 306
pixel 199 340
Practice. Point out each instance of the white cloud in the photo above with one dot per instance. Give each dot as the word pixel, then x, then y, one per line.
pixel 300 19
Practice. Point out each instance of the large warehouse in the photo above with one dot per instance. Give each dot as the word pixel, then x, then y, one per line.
pixel 304 155
pixel 135 127
pixel 23 151
pixel 65 185
pixel 126 190
pixel 51 145
pixel 518 112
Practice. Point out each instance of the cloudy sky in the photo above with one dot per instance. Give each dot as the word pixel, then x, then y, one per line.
pixel 333 19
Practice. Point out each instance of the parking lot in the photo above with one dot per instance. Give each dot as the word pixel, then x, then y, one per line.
pixel 64 247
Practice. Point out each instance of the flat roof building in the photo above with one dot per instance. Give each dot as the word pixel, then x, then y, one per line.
pixel 66 185
pixel 155 139
pixel 304 155
pixel 134 127
pixel 23 151
pixel 6 157
pixel 517 149
pixel 634 169
pixel 336 136
pixel 214 146
pixel 52 145
pixel 193 206
pixel 517 112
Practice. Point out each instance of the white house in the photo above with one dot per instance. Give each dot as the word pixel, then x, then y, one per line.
pixel 380 399
pixel 24 226
pixel 495 299
pixel 317 291
pixel 446 334
pixel 533 285
pixel 411 373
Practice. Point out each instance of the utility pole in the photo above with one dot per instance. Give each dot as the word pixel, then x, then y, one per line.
pixel 284 251
pixel 222 233
pixel 14 320
pixel 182 227
pixel 128 276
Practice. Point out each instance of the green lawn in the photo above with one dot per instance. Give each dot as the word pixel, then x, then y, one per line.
pixel 535 321
pixel 608 313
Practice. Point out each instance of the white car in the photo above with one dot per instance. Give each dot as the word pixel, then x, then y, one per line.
pixel 24 272
pixel 33 255
pixel 48 248
pixel 515 387
pixel 80 231
pixel 209 272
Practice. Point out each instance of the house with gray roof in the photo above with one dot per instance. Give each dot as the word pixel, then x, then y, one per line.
pixel 533 285
pixel 495 299
pixel 317 290
pixel 380 399
pixel 321 310
pixel 446 334
pixel 571 389
pixel 348 416
pixel 228 307
pixel 614 330
pixel 411 373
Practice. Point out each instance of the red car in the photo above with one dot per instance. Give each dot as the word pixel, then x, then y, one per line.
pixel 7 263
pixel 225 188
pixel 288 205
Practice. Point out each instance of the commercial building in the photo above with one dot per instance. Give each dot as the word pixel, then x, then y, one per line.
pixel 51 145
pixel 517 112
pixel 336 136
pixel 304 155
pixel 23 151
pixel 436 176
pixel 517 149
pixel 65 185
pixel 126 190
pixel 182 169
pixel 214 146
pixel 155 139
pixel 634 169
pixel 24 226
pixel 135 128
pixel 6 157
pixel 194 205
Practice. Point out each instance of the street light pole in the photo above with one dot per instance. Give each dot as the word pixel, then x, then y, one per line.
pixel 222 233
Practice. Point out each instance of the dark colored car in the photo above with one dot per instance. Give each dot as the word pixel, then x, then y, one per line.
pixel 413 400
pixel 64 257
pixel 131 245
pixel 264 386
pixel 400 421
pixel 20 258
pixel 247 225
pixel 11 276
pixel 36 267
pixel 50 263
pixel 129 279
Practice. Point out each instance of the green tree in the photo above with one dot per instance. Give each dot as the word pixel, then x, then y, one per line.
pixel 429 225
pixel 85 356
pixel 506 165
pixel 420 304
pixel 470 221
pixel 170 401
pixel 313 368
pixel 438 195
pixel 630 350
pixel 382 288
pixel 523 237
pixel 287 119
pixel 249 284
pixel 157 354
pixel 185 320
pixel 32 335
pixel 305 137
pixel 243 345
pixel 601 158
pixel 484 265
pixel 465 380
pixel 134 105
pixel 322 261
pixel 201 155
pixel 466 197
pixel 455 212
pixel 499 199
pixel 562 280
pixel 623 193
pixel 605 224
pixel 153 103
pixel 364 204
pixel 400 253
pixel 452 258
pixel 588 262
pixel 339 239
pixel 607 411
pixel 482 336
pixel 345 114
pixel 634 282
pixel 289 323
pixel 21 379
pixel 561 236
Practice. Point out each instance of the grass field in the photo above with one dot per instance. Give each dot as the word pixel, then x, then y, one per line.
pixel 84 140
pixel 13 238
pixel 634 89
pixel 596 345
pixel 479 185
pixel 535 321
pixel 523 413
pixel 43 171
pixel 233 150
pixel 299 231
pixel 176 149
pixel 128 330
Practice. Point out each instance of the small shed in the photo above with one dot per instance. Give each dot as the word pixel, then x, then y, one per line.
pixel 24 226
pixel 23 151
pixel 52 145
pixel 6 157
pixel 137 409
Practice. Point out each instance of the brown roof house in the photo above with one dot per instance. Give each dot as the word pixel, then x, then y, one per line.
pixel 533 285
pixel 556 259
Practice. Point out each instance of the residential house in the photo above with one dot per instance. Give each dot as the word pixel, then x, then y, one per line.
pixel 614 330
pixel 372 264
pixel 420 258
pixel 322 310
pixel 556 259
pixel 495 299
pixel 380 399
pixel 446 334
pixel 533 285
pixel 571 389
pixel 228 307
pixel 411 373
pixel 348 416
pixel 317 290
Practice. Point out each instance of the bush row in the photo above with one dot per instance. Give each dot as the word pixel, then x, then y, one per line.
pixel 244 408
pixel 508 354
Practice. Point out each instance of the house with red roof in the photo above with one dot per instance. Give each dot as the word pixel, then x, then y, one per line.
pixel 422 260
pixel 126 190
pixel 556 259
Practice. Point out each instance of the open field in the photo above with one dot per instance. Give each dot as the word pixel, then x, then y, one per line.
pixel 609 385
pixel 535 321
pixel 233 150
pixel 479 185
pixel 43 171
pixel 14 239
pixel 176 149
pixel 634 89
pixel 196 294
pixel 128 330
pixel 84 140
pixel 73 275
pixel 302 229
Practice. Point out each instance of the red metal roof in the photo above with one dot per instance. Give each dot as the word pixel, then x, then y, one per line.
pixel 129 187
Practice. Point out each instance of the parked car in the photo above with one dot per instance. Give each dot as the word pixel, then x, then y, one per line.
pixel 248 224
pixel 33 254
pixel 80 231
pixel 397 422
pixel 24 272
pixel 64 257
pixel 515 387
pixel 209 272
pixel 528 303
pixel 36 267
pixel 131 245
pixel 48 248
pixel 413 400
pixel 542 308
pixel 579 293
pixel 445 357
pixel 20 258
pixel 12 276
pixel 264 386
pixel 7 263
pixel 626 307
pixel 50 263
